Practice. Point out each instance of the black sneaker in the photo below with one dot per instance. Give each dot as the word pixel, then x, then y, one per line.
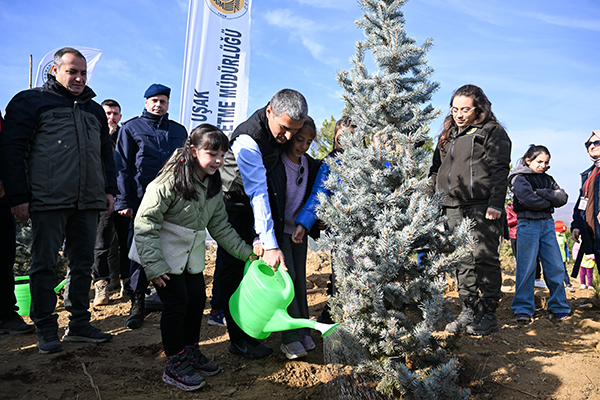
pixel 179 372
pixel 136 314
pixel 86 333
pixel 250 351
pixel 13 324
pixel 561 316
pixel 48 342
pixel 524 318
pixel 200 362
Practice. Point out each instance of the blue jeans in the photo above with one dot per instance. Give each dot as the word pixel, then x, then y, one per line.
pixel 536 236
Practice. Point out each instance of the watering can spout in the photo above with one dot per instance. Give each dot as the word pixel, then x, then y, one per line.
pixel 281 321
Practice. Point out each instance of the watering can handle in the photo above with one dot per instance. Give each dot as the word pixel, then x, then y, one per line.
pixel 289 284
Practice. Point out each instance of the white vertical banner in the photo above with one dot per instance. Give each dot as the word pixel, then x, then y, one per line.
pixel 216 64
pixel 91 56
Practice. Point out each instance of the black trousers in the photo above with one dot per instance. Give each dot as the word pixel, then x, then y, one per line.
pixel 8 227
pixel 137 281
pixel 479 271
pixel 183 298
pixel 121 225
pixel 230 270
pixel 104 252
pixel 79 227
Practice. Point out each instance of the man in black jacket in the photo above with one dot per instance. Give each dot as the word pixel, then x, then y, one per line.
pixel 58 169
pixel 10 321
pixel 113 230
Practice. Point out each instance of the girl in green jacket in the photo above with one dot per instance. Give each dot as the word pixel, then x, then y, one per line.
pixel 184 200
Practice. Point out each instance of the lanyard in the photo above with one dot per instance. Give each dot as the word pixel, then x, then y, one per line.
pixel 590 179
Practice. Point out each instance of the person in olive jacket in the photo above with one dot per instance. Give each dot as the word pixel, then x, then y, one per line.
pixel 471 165
pixel 57 164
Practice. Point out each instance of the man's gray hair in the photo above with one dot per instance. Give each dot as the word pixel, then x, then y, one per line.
pixel 290 102
pixel 66 50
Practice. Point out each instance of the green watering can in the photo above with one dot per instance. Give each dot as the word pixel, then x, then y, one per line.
pixel 24 296
pixel 259 305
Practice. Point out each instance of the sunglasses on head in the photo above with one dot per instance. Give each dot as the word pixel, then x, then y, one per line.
pixel 595 143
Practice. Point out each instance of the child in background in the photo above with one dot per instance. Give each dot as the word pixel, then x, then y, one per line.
pixel 290 183
pixel 308 215
pixel 183 200
pixel 511 219
pixel 560 229
pixel 586 269
pixel 536 195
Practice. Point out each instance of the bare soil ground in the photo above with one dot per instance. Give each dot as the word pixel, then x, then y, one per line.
pixel 541 360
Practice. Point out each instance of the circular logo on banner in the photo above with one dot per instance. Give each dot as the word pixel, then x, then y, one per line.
pixel 228 9
pixel 46 70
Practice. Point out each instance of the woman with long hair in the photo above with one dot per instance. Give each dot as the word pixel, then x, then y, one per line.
pixel 471 165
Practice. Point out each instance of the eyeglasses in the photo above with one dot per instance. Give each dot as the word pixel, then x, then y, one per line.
pixel 300 178
pixel 595 143
pixel 464 110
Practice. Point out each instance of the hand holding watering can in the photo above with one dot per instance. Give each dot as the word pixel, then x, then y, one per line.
pixel 273 258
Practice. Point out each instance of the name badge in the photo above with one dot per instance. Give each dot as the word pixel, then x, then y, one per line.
pixel 582 203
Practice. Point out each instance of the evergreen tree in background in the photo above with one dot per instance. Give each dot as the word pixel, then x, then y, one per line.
pixel 324 140
pixel 379 214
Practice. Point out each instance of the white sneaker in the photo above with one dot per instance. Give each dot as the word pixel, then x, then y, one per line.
pixel 293 350
pixel 570 288
pixel 101 296
pixel 540 284
pixel 582 286
pixel 591 288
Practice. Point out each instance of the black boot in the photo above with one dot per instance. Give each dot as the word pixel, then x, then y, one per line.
pixel 136 315
pixel 485 321
pixel 466 316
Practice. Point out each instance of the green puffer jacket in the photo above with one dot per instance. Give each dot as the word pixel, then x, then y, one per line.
pixel 181 245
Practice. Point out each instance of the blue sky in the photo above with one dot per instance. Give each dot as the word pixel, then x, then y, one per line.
pixel 538 60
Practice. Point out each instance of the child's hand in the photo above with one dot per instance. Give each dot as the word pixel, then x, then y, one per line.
pixel 298 234
pixel 257 249
pixel 161 280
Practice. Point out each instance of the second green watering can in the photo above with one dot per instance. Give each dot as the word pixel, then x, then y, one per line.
pixel 259 305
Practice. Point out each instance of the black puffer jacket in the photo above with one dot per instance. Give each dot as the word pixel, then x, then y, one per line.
pixel 473 166
pixel 55 150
